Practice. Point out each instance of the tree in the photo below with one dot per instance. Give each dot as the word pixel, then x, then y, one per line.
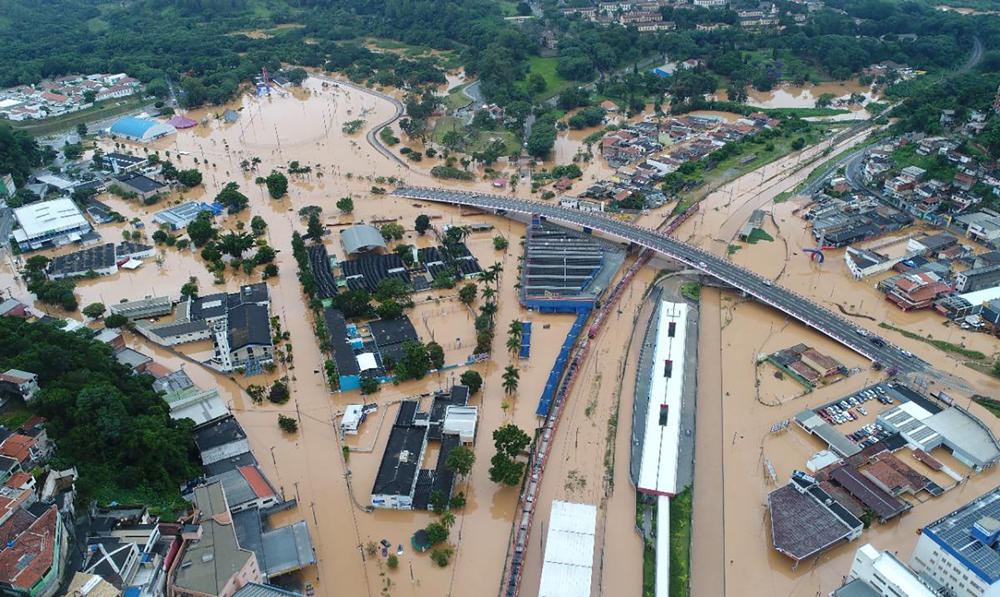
pixel 279 392
pixel 277 184
pixel 467 293
pixel 189 178
pixel 115 320
pixel 392 561
pixel 389 289
pixel 510 379
pixel 353 303
pixel 392 231
pixel 81 129
pixel 436 355
pixel 315 229
pixel 389 310
pixel 72 151
pixel 442 555
pixel 510 440
pixel 94 310
pixel 422 224
pixel 235 243
pixel 500 243
pixel 258 225
pixel 447 519
pixel 345 204
pixel 513 345
pixel 506 470
pixel 415 362
pixel 288 424
pixel 436 533
pixel 369 385
pixel 471 379
pixel 232 199
pixel 264 254
pixel 460 461
pixel 190 288
pixel 536 83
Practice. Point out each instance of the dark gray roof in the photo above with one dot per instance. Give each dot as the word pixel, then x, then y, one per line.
pixel 396 473
pixel 248 325
pixel 389 335
pixel 343 354
pixel 230 464
pixel 219 433
pixel 213 305
pixel 801 526
pixel 80 262
pixel 141 183
pixel 287 549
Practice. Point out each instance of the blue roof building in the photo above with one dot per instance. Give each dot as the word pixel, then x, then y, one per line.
pixel 141 129
pixel 961 550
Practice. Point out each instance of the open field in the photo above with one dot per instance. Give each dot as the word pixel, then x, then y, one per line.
pixel 69 121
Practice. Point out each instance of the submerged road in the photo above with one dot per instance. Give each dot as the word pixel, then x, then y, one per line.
pixel 372 135
pixel 795 305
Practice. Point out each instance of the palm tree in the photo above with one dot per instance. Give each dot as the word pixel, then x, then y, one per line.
pixel 489 295
pixel 495 270
pixel 513 345
pixel 510 378
pixel 489 310
pixel 487 277
pixel 447 520
pixel 235 243
pixel 514 329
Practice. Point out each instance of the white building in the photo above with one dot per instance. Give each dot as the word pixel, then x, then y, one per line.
pixel 960 551
pixel 661 439
pixel 569 550
pixel 883 574
pixel 49 224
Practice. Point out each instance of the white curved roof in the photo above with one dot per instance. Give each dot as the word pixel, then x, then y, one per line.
pixel 361 237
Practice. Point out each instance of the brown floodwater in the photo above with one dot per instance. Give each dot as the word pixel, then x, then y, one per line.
pixel 305 125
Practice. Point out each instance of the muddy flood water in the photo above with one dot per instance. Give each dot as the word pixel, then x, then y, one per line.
pixel 731 552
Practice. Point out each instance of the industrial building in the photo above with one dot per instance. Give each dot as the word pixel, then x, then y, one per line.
pixel 49 224
pixel 806 521
pixel 661 437
pixel 968 439
pixel 143 186
pixel 179 216
pixel 962 550
pixel 103 260
pixel 565 271
pixel 568 563
pixel 879 574
pixel 401 483
pixel 143 130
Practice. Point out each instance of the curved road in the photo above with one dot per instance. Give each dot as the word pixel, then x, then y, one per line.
pixel 801 308
pixel 372 135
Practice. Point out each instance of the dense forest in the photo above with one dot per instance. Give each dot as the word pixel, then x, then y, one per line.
pixel 105 421
pixel 200 47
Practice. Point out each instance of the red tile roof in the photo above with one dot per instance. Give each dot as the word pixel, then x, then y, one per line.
pixel 257 482
pixel 18 447
pixel 29 559
pixel 19 480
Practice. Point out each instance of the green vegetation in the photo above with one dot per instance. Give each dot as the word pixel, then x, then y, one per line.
pixel 509 441
pixel 939 344
pixel 451 172
pixel 547 69
pixel 691 291
pixel 744 109
pixel 108 423
pixel 680 543
pixel 758 235
pixel 288 424
pixel 937 166
pixel 453 134
pixel 989 404
pixel 456 98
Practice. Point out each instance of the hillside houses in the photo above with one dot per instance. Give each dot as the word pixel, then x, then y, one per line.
pixel 63 95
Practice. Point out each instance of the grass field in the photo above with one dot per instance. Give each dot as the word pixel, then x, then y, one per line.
pixel 938 344
pixel 456 98
pixel 554 83
pixel 69 121
pixel 680 543
pixel 474 140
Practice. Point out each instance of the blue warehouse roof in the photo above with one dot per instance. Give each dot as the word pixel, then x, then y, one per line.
pixel 137 127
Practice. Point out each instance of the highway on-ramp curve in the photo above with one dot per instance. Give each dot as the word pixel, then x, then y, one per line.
pixel 795 305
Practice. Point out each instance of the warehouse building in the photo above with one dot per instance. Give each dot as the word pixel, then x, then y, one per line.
pixel 967 438
pixel 49 224
pixel 142 130
pixel 568 563
pixel 806 521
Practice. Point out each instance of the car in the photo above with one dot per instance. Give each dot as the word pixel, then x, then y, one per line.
pixel 310 591
pixel 702 265
pixel 767 282
pixel 861 332
pixel 863 412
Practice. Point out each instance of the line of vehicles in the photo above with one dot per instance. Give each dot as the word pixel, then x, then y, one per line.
pixel 868 435
pixel 850 408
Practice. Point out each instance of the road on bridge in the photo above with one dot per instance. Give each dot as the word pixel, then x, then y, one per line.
pixel 799 307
